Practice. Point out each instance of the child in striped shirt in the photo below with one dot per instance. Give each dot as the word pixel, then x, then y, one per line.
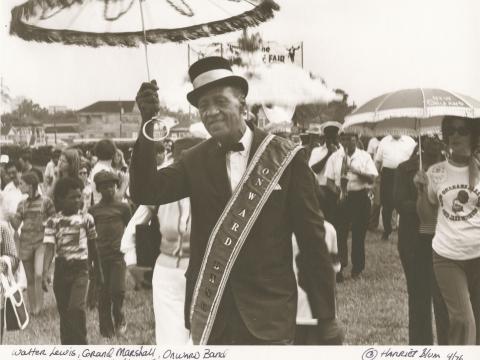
pixel 72 235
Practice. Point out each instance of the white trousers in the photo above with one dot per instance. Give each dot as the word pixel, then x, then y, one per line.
pixel 168 289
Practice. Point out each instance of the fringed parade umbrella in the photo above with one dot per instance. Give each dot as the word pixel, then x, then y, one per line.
pixel 120 23
pixel 412 112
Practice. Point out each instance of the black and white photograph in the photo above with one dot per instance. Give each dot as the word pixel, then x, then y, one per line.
pixel 176 173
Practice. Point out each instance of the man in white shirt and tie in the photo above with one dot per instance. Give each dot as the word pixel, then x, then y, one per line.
pixel 352 174
pixel 319 158
pixel 391 152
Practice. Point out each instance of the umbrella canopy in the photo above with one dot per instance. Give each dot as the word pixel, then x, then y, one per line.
pixel 118 22
pixel 410 112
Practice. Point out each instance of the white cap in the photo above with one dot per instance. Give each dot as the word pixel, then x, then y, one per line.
pixel 4 158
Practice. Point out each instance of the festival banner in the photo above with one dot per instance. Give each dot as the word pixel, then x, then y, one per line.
pixel 272 52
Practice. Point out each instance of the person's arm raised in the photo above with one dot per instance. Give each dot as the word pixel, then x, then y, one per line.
pixel 147 185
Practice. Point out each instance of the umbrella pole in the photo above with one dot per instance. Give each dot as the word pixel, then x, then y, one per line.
pixel 420 150
pixel 145 44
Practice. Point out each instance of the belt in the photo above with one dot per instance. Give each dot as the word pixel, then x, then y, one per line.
pixel 358 191
pixel 61 259
pixel 172 262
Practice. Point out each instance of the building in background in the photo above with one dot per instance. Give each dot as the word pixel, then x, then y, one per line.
pixel 57 109
pixel 109 119
pixel 25 132
pixel 60 133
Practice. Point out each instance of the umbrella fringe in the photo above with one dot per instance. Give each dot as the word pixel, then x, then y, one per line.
pixel 414 113
pixel 364 131
pixel 254 17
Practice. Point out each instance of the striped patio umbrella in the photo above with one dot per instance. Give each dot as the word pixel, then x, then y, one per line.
pixel 410 112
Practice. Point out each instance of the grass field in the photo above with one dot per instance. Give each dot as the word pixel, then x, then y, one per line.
pixel 373 309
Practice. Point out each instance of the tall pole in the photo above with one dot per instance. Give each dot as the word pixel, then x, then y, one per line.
pixel 145 42
pixel 189 107
pixel 55 125
pixel 302 52
pixel 120 135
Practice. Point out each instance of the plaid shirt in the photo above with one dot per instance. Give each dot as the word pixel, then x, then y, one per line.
pixel 7 249
pixel 34 213
pixel 70 234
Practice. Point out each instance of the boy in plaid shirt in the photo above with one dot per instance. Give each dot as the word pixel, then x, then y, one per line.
pixel 74 235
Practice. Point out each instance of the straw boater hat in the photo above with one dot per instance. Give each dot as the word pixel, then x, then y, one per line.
pixel 210 72
pixel 332 124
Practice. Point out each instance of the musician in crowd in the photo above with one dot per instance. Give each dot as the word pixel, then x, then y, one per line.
pixel 351 176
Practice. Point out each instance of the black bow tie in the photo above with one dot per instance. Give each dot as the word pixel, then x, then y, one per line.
pixel 231 147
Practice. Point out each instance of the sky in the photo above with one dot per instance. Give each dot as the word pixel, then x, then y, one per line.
pixel 365 47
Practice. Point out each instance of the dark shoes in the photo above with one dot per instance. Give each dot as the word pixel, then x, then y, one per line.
pixel 356 275
pixel 339 277
pixel 107 334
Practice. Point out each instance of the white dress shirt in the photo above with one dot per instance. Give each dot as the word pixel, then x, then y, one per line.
pixel 237 160
pixel 391 152
pixel 333 167
pixel 360 161
pixel 11 197
pixel 373 146
pixel 318 153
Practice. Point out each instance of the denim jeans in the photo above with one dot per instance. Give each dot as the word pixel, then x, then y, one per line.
pixel 416 256
pixel 459 282
pixel 111 296
pixel 70 285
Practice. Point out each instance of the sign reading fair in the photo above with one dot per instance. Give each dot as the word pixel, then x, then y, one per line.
pixel 272 52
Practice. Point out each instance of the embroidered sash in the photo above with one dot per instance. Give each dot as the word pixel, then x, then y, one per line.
pixel 232 228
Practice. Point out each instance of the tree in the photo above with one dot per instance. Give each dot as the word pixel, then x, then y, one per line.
pixel 319 113
pixel 28 108
pixel 250 43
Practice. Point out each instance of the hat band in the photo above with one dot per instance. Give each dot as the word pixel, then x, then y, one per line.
pixel 210 76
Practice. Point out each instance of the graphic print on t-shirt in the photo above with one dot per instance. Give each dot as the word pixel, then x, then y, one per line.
pixel 459 202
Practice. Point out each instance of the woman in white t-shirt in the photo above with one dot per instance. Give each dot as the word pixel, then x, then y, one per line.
pixel 452 190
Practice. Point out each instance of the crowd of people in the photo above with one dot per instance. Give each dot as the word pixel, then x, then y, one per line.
pixel 438 227
pixel 216 219
pixel 74 211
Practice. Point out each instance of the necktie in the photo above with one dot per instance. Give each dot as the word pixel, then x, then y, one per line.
pixel 344 167
pixel 344 178
pixel 236 147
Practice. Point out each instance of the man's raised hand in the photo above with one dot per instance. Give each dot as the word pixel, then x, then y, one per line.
pixel 147 100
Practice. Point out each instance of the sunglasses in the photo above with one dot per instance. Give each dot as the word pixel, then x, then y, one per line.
pixel 462 131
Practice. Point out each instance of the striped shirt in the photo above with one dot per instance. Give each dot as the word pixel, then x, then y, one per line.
pixel 33 213
pixel 70 234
